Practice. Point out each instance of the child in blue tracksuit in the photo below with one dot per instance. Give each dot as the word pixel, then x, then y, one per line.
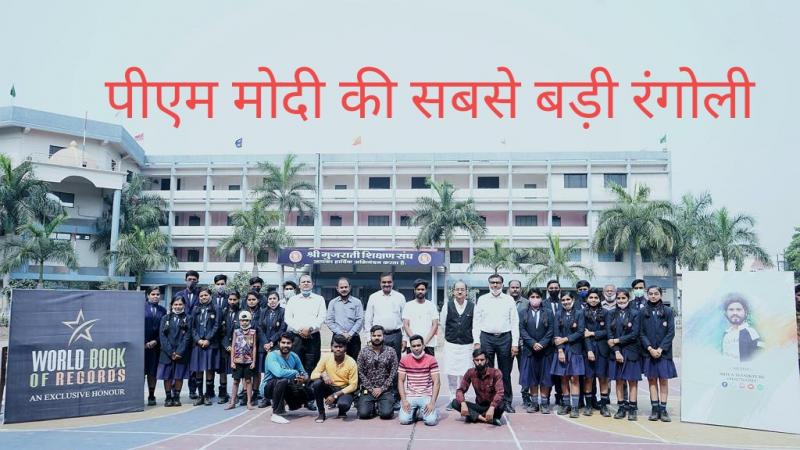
pixel 175 337
pixel 657 332
pixel 568 362
pixel 625 366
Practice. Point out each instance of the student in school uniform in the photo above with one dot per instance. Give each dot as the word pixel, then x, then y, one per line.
pixel 270 328
pixel 243 357
pixel 552 301
pixel 220 296
pixel 190 295
pixel 568 362
pixel 175 336
pixel 153 313
pixel 625 365
pixel 657 332
pixel 536 327
pixel 205 354
pixel 596 353
pixel 253 306
pixel 228 321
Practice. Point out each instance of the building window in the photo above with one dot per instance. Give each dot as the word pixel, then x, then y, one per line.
pixel 54 149
pixel 165 184
pixel 483 219
pixel 83 237
pixel 305 221
pixel 575 255
pixel 457 256
pixel 574 180
pixel 229 221
pixel 61 236
pixel 620 179
pixel 340 187
pixel 647 256
pixel 194 221
pixel 488 182
pixel 263 256
pixel 234 187
pixel 67 199
pixel 419 183
pixel 113 165
pixel 609 257
pixel 336 221
pixel 178 188
pixel 177 220
pixel 232 258
pixel 378 221
pixel 405 221
pixel 530 186
pixel 128 177
pixel 379 183
pixel 193 255
pixel 526 221
pixel 556 221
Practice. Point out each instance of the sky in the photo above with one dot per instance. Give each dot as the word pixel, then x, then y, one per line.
pixel 58 55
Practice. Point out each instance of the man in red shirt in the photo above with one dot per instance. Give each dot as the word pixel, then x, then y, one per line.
pixel 488 385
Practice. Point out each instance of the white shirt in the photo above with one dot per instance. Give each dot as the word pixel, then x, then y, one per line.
pixel 305 312
pixel 495 315
pixel 730 341
pixel 385 310
pixel 420 318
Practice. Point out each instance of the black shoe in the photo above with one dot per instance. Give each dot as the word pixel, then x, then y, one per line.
pixel 320 418
pixel 312 406
pixel 497 422
pixel 595 404
pixel 604 410
pixel 563 410
pixel 176 401
pixel 223 399
pixel 207 401
pixel 199 402
pixel 545 409
pixel 530 409
pixel 632 414
pixel 223 391
pixel 193 395
pixel 341 415
pixel 665 415
pixel 168 402
pixel 655 414
pixel 587 410
pixel 151 401
pixel 210 391
pixel 573 414
pixel 509 408
pixel 621 410
pixel 243 401
pixel 526 399
pixel 262 403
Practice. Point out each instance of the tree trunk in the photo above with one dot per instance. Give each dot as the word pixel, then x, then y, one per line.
pixel 255 266
pixel 40 285
pixel 639 264
pixel 446 269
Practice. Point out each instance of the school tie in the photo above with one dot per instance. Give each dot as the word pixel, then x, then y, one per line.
pixel 536 318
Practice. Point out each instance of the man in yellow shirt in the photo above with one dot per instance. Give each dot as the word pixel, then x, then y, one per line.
pixel 335 379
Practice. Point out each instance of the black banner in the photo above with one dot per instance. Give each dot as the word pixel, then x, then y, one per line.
pixel 74 353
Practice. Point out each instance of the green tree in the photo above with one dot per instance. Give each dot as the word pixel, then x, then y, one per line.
pixel 440 216
pixel 693 219
pixel 140 250
pixel 635 223
pixel 282 188
pixel 138 210
pixel 734 239
pixel 34 244
pixel 792 254
pixel 553 262
pixel 255 230
pixel 497 257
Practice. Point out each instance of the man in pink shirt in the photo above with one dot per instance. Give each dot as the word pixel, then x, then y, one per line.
pixel 418 383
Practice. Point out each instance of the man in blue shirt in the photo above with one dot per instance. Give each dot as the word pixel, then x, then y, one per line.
pixel 285 380
pixel 345 316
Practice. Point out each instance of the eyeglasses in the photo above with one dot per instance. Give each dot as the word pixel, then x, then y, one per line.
pixel 495 282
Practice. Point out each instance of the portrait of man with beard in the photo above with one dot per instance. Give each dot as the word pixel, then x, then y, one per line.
pixel 740 340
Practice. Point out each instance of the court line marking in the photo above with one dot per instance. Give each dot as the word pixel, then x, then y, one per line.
pixel 233 429
pixel 190 431
pixel 514 435
pixel 649 431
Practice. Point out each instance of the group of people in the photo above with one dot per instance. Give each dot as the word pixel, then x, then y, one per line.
pixel 270 344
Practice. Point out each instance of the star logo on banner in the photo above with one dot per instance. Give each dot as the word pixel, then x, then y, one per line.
pixel 81 328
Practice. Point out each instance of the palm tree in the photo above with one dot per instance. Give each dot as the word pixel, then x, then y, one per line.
pixel 734 239
pixel 254 230
pixel 553 262
pixel 496 257
pixel 693 221
pixel 441 216
pixel 34 243
pixel 140 250
pixel 282 188
pixel 138 210
pixel 792 254
pixel 635 223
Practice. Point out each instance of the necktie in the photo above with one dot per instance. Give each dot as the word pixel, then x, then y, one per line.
pixel 536 318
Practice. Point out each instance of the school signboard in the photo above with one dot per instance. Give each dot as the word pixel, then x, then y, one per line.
pixel 740 350
pixel 74 353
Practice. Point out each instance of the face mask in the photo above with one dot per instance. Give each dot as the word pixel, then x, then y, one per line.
pixel 288 293
pixel 421 354
pixel 221 289
pixel 305 292
pixel 610 298
pixel 496 292
pixel 554 295
pixel 638 293
pixel 256 288
pixel 583 294
pixel 191 284
pixel 535 302
pixel 244 327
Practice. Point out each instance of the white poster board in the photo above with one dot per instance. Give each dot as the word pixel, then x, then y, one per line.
pixel 739 361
